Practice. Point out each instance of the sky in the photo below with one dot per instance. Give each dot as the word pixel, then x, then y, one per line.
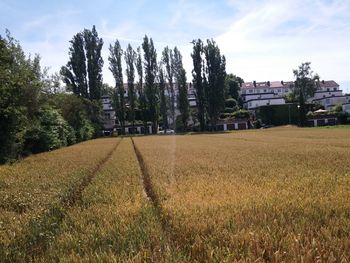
pixel 261 39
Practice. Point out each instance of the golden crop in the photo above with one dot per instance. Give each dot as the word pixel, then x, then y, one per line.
pixel 114 221
pixel 33 191
pixel 278 195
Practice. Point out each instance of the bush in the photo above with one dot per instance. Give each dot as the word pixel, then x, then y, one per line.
pixel 342 117
pixel 50 131
pixel 241 114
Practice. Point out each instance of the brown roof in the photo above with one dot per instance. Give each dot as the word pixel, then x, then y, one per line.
pixel 286 84
pixel 328 83
pixel 267 84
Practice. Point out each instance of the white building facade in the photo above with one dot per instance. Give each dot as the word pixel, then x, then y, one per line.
pixel 328 94
pixel 257 94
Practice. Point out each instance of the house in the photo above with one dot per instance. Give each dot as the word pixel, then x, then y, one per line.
pixel 137 129
pixel 232 124
pixel 328 94
pixel 322 120
pixel 257 94
pixel 109 116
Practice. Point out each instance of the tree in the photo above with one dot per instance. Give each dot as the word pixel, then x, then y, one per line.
pixel 305 85
pixel 198 82
pixel 130 60
pixel 163 99
pixel 168 61
pixel 83 72
pixel 115 62
pixel 93 46
pixel 216 74
pixel 151 91
pixel 182 98
pixel 232 86
pixel 77 111
pixel 20 96
pixel 140 88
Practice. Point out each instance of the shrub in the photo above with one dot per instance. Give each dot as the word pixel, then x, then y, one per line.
pixel 241 114
pixel 50 131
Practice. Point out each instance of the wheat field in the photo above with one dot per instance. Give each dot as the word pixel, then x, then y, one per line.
pixel 277 195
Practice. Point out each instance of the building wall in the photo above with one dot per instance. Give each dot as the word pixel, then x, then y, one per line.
pixel 257 103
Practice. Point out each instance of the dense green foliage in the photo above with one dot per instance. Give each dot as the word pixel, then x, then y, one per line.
pixel 279 114
pixel 209 81
pixel 305 85
pixel 34 115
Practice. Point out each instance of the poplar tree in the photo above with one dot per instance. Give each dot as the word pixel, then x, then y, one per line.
pixel 83 72
pixel 93 46
pixel 216 74
pixel 151 91
pixel 168 61
pixel 115 62
pixel 130 60
pixel 181 80
pixel 140 88
pixel 163 99
pixel 197 74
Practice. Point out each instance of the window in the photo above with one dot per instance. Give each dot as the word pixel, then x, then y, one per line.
pixel 327 89
pixel 279 90
pixel 250 91
pixel 265 90
pixel 327 101
pixel 334 89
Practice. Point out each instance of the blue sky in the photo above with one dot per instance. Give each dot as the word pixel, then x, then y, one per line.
pixel 262 40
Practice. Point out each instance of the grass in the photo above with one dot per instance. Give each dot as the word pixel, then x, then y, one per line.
pixel 275 195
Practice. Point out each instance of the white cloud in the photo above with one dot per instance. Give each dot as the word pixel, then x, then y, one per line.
pixel 260 45
pixel 262 40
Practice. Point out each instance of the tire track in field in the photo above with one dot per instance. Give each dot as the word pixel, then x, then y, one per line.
pixel 152 196
pixel 34 242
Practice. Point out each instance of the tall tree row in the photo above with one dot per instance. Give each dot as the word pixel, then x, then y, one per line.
pixel 198 81
pixel 83 72
pixel 151 89
pixel 168 62
pixel 182 97
pixel 163 98
pixel 209 73
pixel 215 88
pixel 115 62
pixel 130 60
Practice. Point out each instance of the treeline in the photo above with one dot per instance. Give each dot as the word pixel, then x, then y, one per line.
pixel 38 114
pixel 35 114
pixel 156 87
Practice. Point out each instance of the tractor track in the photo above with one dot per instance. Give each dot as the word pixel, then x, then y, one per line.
pixel 32 244
pixel 164 219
